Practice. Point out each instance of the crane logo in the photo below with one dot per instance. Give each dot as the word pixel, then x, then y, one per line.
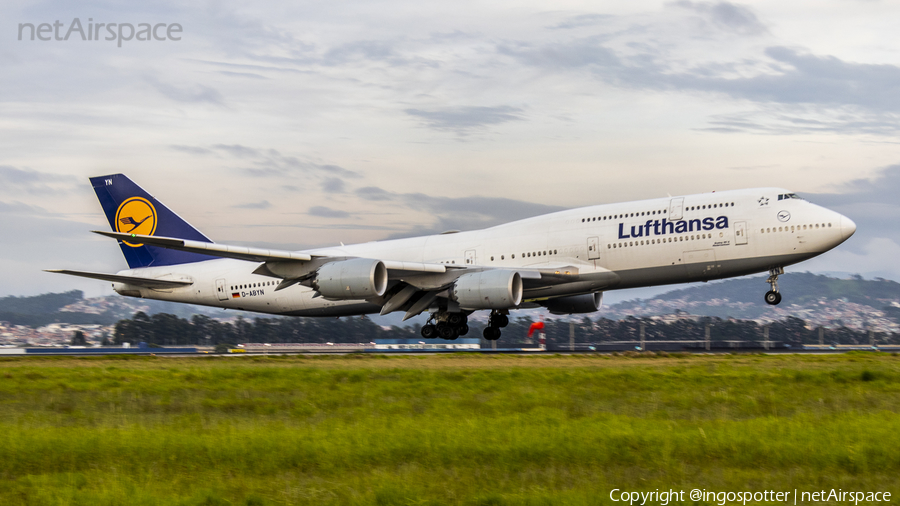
pixel 136 216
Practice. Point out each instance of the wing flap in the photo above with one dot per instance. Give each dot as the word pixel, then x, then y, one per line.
pixel 131 280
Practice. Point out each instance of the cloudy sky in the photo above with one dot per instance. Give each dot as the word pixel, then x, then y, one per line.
pixel 304 125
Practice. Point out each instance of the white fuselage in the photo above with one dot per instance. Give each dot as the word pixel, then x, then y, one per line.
pixel 611 246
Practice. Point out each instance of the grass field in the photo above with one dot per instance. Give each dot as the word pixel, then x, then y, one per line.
pixel 454 429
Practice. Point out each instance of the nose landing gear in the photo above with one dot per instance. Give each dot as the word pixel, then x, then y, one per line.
pixel 773 296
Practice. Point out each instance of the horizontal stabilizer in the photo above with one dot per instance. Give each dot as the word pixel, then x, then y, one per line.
pixel 209 248
pixel 131 280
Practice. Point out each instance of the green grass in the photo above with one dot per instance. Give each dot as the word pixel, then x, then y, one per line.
pixel 441 430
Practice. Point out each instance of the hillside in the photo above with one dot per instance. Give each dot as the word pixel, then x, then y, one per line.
pixel 72 307
pixel 820 300
pixel 854 302
pixel 797 287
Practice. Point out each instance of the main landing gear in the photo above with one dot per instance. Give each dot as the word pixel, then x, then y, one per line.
pixel 773 296
pixel 446 326
pixel 496 322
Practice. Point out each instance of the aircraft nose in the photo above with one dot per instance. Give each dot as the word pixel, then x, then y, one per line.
pixel 847 227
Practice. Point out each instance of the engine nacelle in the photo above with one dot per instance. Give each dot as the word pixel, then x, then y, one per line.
pixel 493 289
pixel 356 278
pixel 587 303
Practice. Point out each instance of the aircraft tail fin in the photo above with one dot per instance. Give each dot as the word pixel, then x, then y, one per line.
pixel 130 209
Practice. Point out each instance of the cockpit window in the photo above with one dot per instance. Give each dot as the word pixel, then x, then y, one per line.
pixel 786 196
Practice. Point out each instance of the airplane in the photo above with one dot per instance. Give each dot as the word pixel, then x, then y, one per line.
pixel 562 261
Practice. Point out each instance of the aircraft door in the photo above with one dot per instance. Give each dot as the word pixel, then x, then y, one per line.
pixel 221 292
pixel 470 257
pixel 740 232
pixel 676 206
pixel 593 248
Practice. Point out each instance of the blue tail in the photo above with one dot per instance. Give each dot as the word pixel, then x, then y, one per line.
pixel 130 209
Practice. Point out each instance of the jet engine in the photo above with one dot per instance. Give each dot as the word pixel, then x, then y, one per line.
pixel 356 278
pixel 587 303
pixel 493 289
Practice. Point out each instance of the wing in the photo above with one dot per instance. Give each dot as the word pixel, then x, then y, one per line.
pixel 131 280
pixel 278 262
pixel 414 285
pixel 209 248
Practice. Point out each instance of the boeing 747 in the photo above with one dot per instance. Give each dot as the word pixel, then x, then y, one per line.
pixel 562 261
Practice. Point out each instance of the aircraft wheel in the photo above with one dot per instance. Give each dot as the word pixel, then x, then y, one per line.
pixel 463 329
pixel 429 331
pixel 500 321
pixel 456 319
pixel 447 332
pixel 491 333
pixel 773 298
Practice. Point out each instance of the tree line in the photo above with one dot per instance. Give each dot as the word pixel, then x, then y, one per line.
pixel 169 330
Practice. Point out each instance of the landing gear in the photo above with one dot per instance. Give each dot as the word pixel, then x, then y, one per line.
pixel 773 296
pixel 491 333
pixel 446 325
pixel 447 332
pixel 496 321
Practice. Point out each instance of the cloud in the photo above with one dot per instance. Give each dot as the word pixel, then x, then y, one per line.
pixel 197 93
pixel 463 119
pixel 333 185
pixel 272 163
pixel 14 180
pixel 575 54
pixel 805 120
pixel 363 50
pixel 883 188
pixel 238 151
pixel 267 162
pixel 374 193
pixel 191 150
pixel 325 212
pixel 264 204
pixel 18 208
pixel 871 203
pixel 780 75
pixel 582 20
pixel 808 79
pixel 241 74
pixel 727 16
pixel 487 210
pixel 460 213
